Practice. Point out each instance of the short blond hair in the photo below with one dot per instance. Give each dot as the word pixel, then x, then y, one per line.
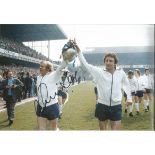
pixel 49 65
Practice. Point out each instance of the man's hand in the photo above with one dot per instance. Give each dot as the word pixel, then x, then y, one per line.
pixel 76 46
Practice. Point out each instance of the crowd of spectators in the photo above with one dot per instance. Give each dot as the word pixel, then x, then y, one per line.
pixel 17 69
pixel 19 47
pixel 27 76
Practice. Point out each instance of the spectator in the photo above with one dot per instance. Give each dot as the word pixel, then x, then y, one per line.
pixel 139 90
pixel 9 86
pixel 148 91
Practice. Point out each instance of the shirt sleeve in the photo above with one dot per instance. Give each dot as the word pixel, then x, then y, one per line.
pixel 135 85
pixel 58 73
pixel 144 81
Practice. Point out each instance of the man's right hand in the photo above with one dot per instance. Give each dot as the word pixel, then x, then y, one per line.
pixel 76 46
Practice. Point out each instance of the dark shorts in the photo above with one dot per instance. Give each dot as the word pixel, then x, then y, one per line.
pixel 148 91
pixel 104 112
pixel 95 90
pixel 61 93
pixel 139 93
pixel 50 112
pixel 133 93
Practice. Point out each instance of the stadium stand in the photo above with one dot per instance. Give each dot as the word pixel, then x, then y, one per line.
pixel 129 57
pixel 19 47
pixel 21 59
pixel 12 36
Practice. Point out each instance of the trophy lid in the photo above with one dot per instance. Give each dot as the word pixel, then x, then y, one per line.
pixel 69 51
pixel 67 46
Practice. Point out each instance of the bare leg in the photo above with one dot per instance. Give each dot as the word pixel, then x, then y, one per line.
pixel 150 97
pixel 53 124
pixel 59 99
pixel 115 125
pixel 133 99
pixel 136 99
pixel 149 100
pixel 145 96
pixel 137 104
pixel 133 102
pixel 64 101
pixel 146 102
pixel 103 125
pixel 41 123
pixel 140 99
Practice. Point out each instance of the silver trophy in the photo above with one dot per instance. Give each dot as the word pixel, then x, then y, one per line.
pixel 69 54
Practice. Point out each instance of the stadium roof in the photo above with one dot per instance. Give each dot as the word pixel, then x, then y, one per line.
pixel 32 32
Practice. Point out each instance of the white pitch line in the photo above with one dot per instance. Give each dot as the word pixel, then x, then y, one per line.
pixel 33 98
pixel 20 103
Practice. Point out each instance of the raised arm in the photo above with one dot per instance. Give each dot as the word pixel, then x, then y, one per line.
pixel 94 71
pixel 57 74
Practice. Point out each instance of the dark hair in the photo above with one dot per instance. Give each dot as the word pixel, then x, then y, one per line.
pixel 7 71
pixel 28 74
pixel 112 55
pixel 4 74
pixel 130 72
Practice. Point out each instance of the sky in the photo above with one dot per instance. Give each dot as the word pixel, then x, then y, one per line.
pixel 100 36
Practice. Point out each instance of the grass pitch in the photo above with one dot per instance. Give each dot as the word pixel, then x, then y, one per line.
pixel 78 114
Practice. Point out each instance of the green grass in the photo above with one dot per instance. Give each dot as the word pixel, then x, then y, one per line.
pixel 78 114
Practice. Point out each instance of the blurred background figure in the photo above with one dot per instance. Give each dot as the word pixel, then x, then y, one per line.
pixel 148 91
pixel 63 95
pixel 10 86
pixel 133 89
